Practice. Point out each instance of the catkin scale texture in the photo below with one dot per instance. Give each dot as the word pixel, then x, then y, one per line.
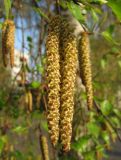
pixel 68 74
pixel 4 39
pixel 85 67
pixel 53 78
pixel 10 41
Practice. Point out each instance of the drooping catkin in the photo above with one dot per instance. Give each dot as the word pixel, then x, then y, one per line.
pixel 85 67
pixel 30 104
pixel 53 78
pixel 10 41
pixel 8 30
pixel 29 101
pixel 68 74
pixel 44 146
pixel 4 40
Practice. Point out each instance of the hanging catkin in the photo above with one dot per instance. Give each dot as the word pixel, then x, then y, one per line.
pixel 44 146
pixel 53 78
pixel 68 73
pixel 10 41
pixel 4 40
pixel 85 67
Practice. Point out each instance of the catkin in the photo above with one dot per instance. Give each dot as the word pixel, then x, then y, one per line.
pixel 68 74
pixel 85 67
pixel 10 41
pixel 29 101
pixel 4 39
pixel 8 30
pixel 44 145
pixel 53 78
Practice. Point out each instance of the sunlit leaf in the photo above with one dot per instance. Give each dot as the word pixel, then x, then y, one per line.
pixel 35 84
pixel 93 129
pixel 75 10
pixel 108 35
pixel 116 7
pixel 106 107
pixel 81 144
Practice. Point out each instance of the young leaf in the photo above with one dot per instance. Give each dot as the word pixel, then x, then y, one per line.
pixel 93 129
pixel 106 107
pixel 76 11
pixel 35 84
pixel 115 5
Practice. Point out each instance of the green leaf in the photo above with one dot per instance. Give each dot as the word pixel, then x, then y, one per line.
pixel 29 39
pixel 1 145
pixel 116 7
pixel 81 144
pixel 106 107
pixel 40 68
pixel 90 155
pixel 3 140
pixel 7 4
pixel 99 1
pixel 35 84
pixel 103 63
pixel 94 15
pixel 106 137
pixel 108 35
pixel 76 11
pixel 116 122
pixel 117 112
pixel 20 129
pixel 93 129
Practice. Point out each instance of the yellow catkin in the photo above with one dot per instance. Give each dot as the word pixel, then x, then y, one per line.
pixel 10 41
pixel 68 75
pixel 53 78
pixel 85 67
pixel 4 40
pixel 44 147
pixel 30 101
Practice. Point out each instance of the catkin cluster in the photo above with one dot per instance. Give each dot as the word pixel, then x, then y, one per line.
pixel 85 67
pixel 53 78
pixel 61 52
pixel 8 36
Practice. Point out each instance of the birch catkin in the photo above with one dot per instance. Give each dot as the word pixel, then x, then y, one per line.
pixel 10 41
pixel 4 39
pixel 53 78
pixel 44 145
pixel 85 67
pixel 68 73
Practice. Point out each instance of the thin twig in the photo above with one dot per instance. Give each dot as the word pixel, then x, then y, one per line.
pixel 107 119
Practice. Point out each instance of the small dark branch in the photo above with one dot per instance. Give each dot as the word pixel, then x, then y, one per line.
pixel 57 7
